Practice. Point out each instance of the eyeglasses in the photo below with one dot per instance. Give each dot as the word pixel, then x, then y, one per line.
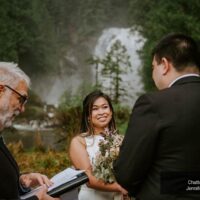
pixel 22 98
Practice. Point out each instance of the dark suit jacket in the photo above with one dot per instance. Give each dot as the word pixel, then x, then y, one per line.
pixel 160 153
pixel 10 187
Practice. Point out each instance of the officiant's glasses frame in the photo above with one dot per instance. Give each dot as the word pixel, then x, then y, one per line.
pixel 22 98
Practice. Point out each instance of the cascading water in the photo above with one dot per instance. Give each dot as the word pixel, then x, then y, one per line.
pixel 133 42
pixel 56 84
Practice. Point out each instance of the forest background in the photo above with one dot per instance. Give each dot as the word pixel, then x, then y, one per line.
pixel 38 34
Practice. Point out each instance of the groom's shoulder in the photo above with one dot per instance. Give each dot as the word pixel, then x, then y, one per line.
pixel 157 95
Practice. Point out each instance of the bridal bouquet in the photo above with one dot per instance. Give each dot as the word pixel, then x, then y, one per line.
pixel 108 152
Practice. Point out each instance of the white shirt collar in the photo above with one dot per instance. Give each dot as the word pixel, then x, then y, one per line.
pixel 183 76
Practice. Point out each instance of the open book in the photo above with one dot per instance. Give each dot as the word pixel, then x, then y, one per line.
pixel 64 181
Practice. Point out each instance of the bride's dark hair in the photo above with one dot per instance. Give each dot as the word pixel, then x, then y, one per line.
pixel 86 125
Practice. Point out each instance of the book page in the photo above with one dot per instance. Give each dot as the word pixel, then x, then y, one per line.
pixel 59 179
pixel 64 176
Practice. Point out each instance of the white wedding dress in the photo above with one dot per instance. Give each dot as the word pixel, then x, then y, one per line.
pixel 87 193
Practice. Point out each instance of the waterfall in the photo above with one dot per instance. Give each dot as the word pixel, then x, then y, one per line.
pixel 74 70
pixel 133 42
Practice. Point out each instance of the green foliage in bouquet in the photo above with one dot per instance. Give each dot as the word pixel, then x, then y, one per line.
pixel 108 152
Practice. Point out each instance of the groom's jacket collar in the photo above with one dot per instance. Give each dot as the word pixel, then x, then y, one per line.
pixel 188 79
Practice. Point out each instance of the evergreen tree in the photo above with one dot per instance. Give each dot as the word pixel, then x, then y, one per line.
pixel 158 18
pixel 115 64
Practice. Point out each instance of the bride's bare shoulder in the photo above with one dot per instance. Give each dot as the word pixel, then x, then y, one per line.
pixel 79 139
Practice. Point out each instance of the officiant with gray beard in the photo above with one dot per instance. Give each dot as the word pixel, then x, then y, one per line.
pixel 14 84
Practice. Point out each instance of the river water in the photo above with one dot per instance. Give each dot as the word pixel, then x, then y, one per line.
pixel 32 138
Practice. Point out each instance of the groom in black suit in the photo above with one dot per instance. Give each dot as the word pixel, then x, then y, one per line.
pixel 160 155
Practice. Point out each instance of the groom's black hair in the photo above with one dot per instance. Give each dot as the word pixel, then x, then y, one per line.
pixel 181 50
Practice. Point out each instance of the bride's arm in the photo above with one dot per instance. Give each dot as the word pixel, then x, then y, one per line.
pixel 80 160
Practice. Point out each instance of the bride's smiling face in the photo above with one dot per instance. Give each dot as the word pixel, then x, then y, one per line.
pixel 101 113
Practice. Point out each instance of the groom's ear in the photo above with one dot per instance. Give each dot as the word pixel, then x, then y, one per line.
pixel 166 66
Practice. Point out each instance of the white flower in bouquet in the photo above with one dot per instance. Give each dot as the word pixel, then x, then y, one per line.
pixel 108 152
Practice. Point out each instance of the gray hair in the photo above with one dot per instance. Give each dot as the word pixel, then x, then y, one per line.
pixel 11 74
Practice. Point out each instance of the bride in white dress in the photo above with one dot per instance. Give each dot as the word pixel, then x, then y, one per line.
pixel 97 115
